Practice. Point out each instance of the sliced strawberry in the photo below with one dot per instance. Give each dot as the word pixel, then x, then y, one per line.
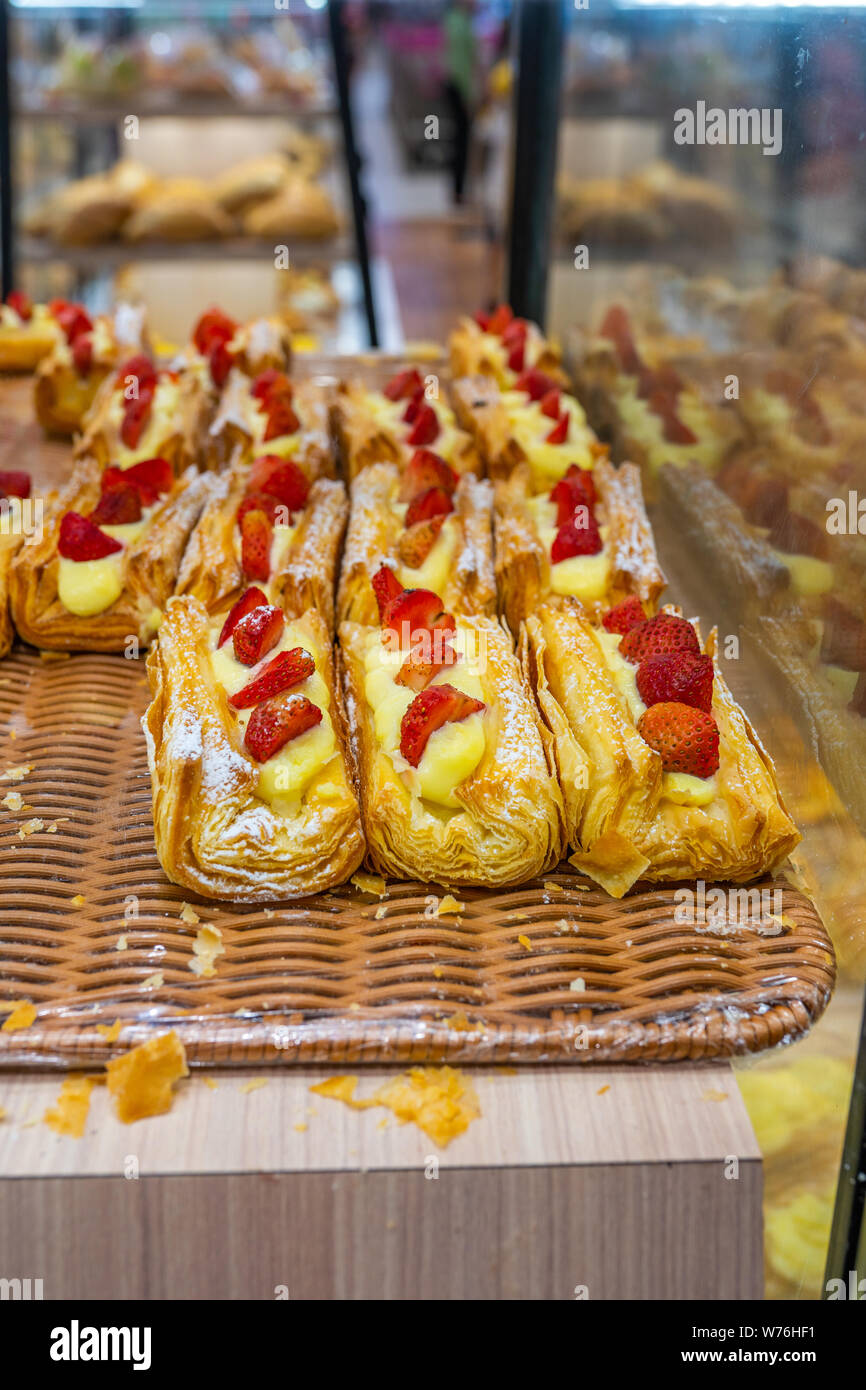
pixel 617 327
pixel 536 384
pixel 73 318
pixel 516 332
pixel 433 707
pixel 141 369
pixel 663 633
pixel 417 610
pixel 664 404
pixel 425 470
pixel 434 502
pixel 410 414
pixel 416 673
pixel 257 633
pixel 251 598
pixel 678 676
pixel 134 422
pixel 258 502
pixel 119 506
pixel 269 381
pixel 517 357
pixel 576 538
pixel 551 403
pixel 151 478
pixel 798 535
pixel 500 319
pixel 273 724
pixel 482 319
pixel 213 326
pixel 686 739
pixel 404 385
pixel 21 303
pixel 281 418
pixel 426 427
pixel 220 361
pixel 14 482
pixel 576 489
pixel 386 586
pixel 624 616
pixel 844 637
pixel 280 478
pixel 82 353
pixel 256 536
pixel 281 673
pixel 559 433
pixel 415 544
pixel 80 539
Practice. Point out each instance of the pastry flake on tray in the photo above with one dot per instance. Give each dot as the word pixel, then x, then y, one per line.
pixel 253 799
pixel 68 378
pixel 271 414
pixel 706 806
pixel 501 346
pixel 430 527
pixel 533 422
pixel 289 547
pixel 454 780
pixel 387 426
pixel 106 563
pixel 143 411
pixel 589 538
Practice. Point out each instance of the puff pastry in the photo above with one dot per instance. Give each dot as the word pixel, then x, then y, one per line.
pixel 142 411
pixel 230 822
pixel 501 346
pixel 99 603
pixel 271 414
pixel 448 549
pixel 535 423
pixel 15 525
pixel 68 378
pixel 590 538
pixel 29 332
pixel 627 817
pixel 297 568
pixel 178 210
pixel 454 778
pixel 388 426
pixel 300 209
pixel 220 344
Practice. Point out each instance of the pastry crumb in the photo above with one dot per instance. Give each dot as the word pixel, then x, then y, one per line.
pixel 380 912
pixel 121 944
pixel 23 1013
pixel 154 981
pixel 550 887
pixel 30 827
pixel 53 656
pixel 370 883
pixel 110 1033
pixel 602 1089
pixel 141 1081
pixel 16 774
pixel 712 1094
pixel 209 1082
pixel 578 985
pixel 525 943
pixel 441 1101
pixel 255 1085
pixel 13 801
pixel 459 1023
pixel 70 1111
pixel 207 946
pixel 449 905
pixel 79 900
pixel 438 972
pixel 300 1126
pixel 188 913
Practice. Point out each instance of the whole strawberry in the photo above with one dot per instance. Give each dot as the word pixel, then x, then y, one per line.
pixel 624 616
pixel 686 739
pixel 663 633
pixel 677 676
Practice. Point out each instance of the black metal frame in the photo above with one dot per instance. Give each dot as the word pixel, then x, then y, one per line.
pixel 847 1249
pixel 7 249
pixel 540 35
pixel 340 52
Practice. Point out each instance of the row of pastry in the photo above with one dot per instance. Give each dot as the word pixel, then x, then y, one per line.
pixel 435 739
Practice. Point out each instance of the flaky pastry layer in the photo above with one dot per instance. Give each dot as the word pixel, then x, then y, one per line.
pixel 363 440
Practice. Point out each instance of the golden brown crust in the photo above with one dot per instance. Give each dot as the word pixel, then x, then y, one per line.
pixel 238 425
pixel 374 532
pixel 481 411
pixel 8 547
pixel 362 438
pixel 151 564
pixel 213 833
pixel 620 825
pixel 22 348
pixel 211 568
pixel 180 436
pixel 262 343
pixel 523 572
pixel 509 825
pixel 62 395
pixel 475 353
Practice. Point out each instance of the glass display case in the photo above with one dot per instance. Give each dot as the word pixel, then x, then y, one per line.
pixel 699 253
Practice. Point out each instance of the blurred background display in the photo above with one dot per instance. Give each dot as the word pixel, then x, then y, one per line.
pixel 678 192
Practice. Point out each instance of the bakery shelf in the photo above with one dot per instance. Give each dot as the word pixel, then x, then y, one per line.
pixel 109 255
pixel 147 106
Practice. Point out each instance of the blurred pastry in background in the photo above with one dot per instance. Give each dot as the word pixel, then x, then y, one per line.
pixel 250 182
pixel 306 298
pixel 656 206
pixel 178 210
pixel 83 213
pixel 301 209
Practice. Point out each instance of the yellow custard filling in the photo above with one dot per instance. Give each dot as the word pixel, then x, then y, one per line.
pixel 453 751
pixel 809 575
pixel 389 415
pixel 306 765
pixel 679 787
pixel 649 428
pixel 586 577
pixel 435 572
pixel 530 429
pixel 88 587
pixel 156 431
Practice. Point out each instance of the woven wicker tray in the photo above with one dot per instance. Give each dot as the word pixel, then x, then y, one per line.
pixel 342 978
